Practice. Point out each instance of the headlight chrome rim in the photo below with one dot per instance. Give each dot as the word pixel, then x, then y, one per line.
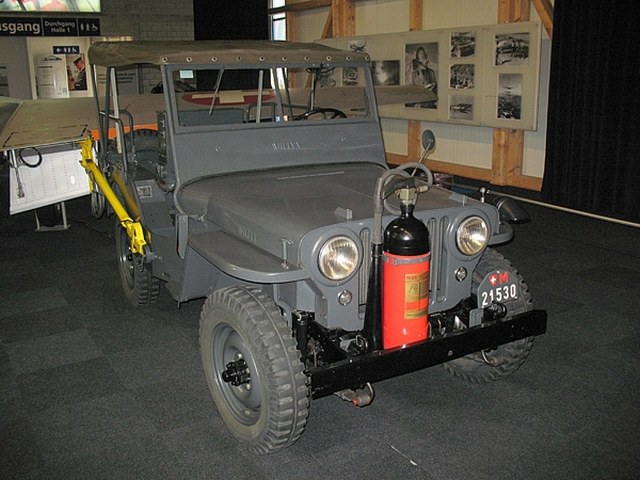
pixel 338 258
pixel 472 235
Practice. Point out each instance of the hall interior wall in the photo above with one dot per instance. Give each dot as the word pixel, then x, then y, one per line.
pixel 468 148
pixel 167 20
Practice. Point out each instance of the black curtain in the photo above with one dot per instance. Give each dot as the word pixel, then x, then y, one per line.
pixel 230 20
pixel 593 134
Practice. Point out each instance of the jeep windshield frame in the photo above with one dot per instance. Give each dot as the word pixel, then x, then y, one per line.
pixel 205 98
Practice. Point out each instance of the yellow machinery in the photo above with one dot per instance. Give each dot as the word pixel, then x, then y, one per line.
pixel 133 228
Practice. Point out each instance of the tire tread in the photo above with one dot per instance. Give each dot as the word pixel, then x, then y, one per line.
pixel 281 358
pixel 472 368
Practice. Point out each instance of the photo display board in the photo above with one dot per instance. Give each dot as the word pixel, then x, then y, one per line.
pixel 484 75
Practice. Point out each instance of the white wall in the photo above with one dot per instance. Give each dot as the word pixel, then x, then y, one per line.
pixel 381 16
pixel 140 19
pixel 13 55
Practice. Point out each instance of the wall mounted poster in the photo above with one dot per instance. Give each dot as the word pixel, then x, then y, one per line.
pixel 483 75
pixel 421 68
pixel 461 107
pixel 463 44
pixel 511 48
pixel 510 96
pixel 386 72
pixel 462 76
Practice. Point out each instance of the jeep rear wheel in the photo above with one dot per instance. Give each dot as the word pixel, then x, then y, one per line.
pixel 494 364
pixel 253 368
pixel 140 287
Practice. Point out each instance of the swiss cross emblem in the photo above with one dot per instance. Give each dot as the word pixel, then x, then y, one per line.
pixel 498 278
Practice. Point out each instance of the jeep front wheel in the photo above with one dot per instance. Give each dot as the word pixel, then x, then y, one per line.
pixel 253 368
pixel 497 363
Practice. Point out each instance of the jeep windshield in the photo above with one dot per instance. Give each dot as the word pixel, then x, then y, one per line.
pixel 221 97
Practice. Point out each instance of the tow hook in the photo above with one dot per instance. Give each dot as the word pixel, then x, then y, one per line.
pixel 495 311
pixel 360 397
pixel 237 373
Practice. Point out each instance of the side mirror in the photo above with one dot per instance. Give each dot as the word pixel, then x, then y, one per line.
pixel 510 210
pixel 428 140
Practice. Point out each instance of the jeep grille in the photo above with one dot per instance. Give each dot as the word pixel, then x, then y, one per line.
pixel 437 229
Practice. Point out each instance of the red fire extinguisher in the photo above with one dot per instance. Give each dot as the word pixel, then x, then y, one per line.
pixel 405 277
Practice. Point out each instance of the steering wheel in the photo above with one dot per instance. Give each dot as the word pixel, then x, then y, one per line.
pixel 327 113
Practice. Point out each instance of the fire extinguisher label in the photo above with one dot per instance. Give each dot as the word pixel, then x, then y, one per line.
pixel 416 295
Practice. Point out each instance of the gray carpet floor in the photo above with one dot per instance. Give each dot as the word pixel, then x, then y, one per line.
pixel 91 388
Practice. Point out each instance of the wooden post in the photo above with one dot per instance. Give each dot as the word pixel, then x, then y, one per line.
pixel 327 31
pixel 414 127
pixel 344 17
pixel 415 14
pixel 508 145
pixel 290 22
pixel 545 12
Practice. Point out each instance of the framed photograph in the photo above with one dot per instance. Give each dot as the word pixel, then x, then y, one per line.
pixel 511 49
pixel 385 72
pixel 462 44
pixel 421 68
pixel 509 96
pixel 461 107
pixel 462 76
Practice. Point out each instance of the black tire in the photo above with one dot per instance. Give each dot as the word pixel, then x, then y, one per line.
pixel 269 412
pixel 146 143
pixel 140 287
pixel 146 146
pixel 495 364
pixel 98 200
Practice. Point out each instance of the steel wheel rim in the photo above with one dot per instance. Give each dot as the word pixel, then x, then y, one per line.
pixel 243 401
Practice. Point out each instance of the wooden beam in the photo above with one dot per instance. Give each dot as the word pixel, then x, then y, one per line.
pixel 344 18
pixel 508 145
pixel 415 14
pixel 513 11
pixel 327 31
pixel 291 24
pixel 527 182
pixel 414 145
pixel 414 127
pixel 545 12
pixel 445 167
pixel 476 173
pixel 300 6
pixel 508 152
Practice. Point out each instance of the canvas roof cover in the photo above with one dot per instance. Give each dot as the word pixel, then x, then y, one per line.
pixel 118 54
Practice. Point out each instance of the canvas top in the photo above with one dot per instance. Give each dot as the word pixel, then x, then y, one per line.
pixel 117 54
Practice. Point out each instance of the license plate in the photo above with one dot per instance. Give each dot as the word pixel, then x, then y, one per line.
pixel 500 286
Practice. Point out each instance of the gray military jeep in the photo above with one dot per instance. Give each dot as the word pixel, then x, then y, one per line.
pixel 260 182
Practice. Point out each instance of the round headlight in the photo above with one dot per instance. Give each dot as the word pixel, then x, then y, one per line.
pixel 472 235
pixel 338 258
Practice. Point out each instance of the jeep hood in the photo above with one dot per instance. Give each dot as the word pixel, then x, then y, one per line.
pixel 267 208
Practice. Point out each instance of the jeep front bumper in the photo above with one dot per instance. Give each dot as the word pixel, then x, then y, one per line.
pixel 354 372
